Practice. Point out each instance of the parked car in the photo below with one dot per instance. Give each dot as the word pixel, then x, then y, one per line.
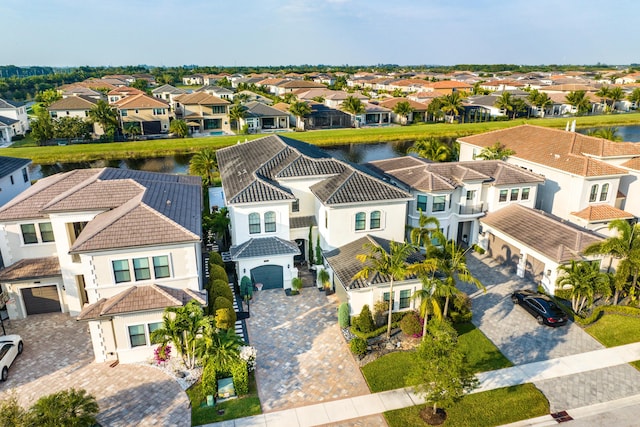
pixel 10 347
pixel 541 307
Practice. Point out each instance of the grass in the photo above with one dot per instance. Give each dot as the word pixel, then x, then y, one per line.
pixel 489 408
pixel 615 329
pixel 325 138
pixel 389 371
pixel 245 406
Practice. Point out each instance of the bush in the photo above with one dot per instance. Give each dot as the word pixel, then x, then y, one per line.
pixel 240 375
pixel 221 288
pixel 246 287
pixel 217 272
pixel 380 309
pixel 376 332
pixel 343 315
pixel 215 259
pixel 411 325
pixel 224 314
pixel 358 346
pixel 478 249
pixel 209 380
pixel 364 322
pixel 461 310
pixel 396 317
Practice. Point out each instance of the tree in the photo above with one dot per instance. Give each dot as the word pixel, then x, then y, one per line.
pixel 391 265
pixel 586 280
pixel 42 128
pixel 132 129
pixel 431 149
pixel 237 112
pixel 71 127
pixel 604 94
pixel 429 296
pixel 403 109
pixel 11 413
pixel 542 101
pixel 179 127
pixel 353 106
pixel 141 84
pixel 299 109
pixel 205 164
pixel 610 133
pixel 578 99
pixel 289 97
pixel 452 105
pixel 219 347
pixel 434 110
pixel 69 408
pixel 616 94
pixel 497 151
pixel 505 103
pixel 440 372
pixel 427 227
pixel 48 97
pixel 105 115
pixel 635 97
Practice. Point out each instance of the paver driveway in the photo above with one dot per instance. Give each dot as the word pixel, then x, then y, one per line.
pixel 57 356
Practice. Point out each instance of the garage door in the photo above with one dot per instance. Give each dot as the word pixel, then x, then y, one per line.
pixel 42 299
pixel 534 269
pixel 269 275
pixel 505 254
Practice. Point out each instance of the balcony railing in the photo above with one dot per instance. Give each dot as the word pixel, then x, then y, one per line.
pixel 471 209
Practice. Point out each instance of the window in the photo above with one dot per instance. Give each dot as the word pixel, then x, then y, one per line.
pixel 361 221
pixel 270 222
pixel 141 268
pixel 46 232
pixel 254 223
pixel 326 220
pixel 121 270
pixel 594 193
pixel 385 297
pixel 374 220
pixel 525 194
pixel 295 206
pixel 514 194
pixel 159 111
pixel 161 266
pixel 137 336
pixel 54 114
pixel 123 113
pixel 11 178
pixel 29 235
pixel 421 204
pixel 25 175
pixel 153 326
pixel 439 203
pixel 503 195
pixel 405 296
pixel 219 109
pixel 604 192
pixel 471 195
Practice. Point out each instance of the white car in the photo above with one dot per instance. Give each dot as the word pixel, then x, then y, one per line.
pixel 10 347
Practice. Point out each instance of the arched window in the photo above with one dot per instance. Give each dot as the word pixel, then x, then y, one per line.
pixel 374 220
pixel 604 192
pixel 270 222
pixel 593 196
pixel 254 223
pixel 361 221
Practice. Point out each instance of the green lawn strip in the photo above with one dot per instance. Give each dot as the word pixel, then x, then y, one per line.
pixel 389 371
pixel 488 408
pixel 244 406
pixel 614 330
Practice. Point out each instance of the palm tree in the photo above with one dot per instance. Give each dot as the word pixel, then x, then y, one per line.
pixel 497 151
pixel 610 133
pixel 625 247
pixel 403 109
pixel 616 94
pixel 452 105
pixel 578 99
pixel 542 102
pixel 132 129
pixel 586 280
pixel 353 106
pixel 299 109
pixel 179 127
pixel 105 115
pixel 431 149
pixel 429 297
pixel 603 93
pixel 65 408
pixel 635 97
pixel 505 103
pixel 205 164
pixel 390 265
pixel 237 112
pixel 289 97
pixel 424 232
pixel 220 347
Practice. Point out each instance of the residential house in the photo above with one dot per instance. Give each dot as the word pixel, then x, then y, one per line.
pixel 149 78
pixel 8 128
pixel 75 106
pixel 418 114
pixel 17 111
pixel 114 247
pixel 14 177
pixel 321 117
pixel 218 91
pixel 204 113
pixel 294 85
pixel 152 114
pixel 628 78
pixel 126 78
pixel 374 115
pixel 122 92
pixel 193 79
pixel 271 84
pixel 81 90
pixel 168 93
pixel 488 102
pixel 450 86
pixel 260 117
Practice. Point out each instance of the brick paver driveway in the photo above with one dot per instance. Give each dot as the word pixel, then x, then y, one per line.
pixel 57 356
pixel 302 357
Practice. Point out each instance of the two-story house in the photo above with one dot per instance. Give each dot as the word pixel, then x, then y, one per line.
pixel 114 247
pixel 168 94
pixel 204 113
pixel 152 114
pixel 14 177
pixel 75 106
pixel 16 111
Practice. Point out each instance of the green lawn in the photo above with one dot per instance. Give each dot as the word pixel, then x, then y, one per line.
pixel 489 408
pixel 614 329
pixel 245 406
pixel 388 372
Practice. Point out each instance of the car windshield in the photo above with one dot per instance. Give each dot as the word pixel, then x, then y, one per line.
pixel 555 309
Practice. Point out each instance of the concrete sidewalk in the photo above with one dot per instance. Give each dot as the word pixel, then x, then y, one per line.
pixel 361 406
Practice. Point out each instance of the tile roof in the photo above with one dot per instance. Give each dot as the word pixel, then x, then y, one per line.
pixel 301 84
pixel 75 102
pixel 601 212
pixel 392 102
pixel 262 247
pixel 632 164
pixel 559 149
pixel 140 100
pixel 556 239
pixel 80 90
pixel 169 89
pixel 200 98
pixel 258 109
pixel 6 121
pixel 9 104
pixel 302 221
pixel 125 90
pixel 8 165
pixel 31 268
pixel 353 186
pixel 141 298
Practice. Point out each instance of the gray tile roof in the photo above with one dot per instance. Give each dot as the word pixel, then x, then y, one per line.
pixel 7 121
pixel 353 186
pixel 8 165
pixel 168 89
pixel 302 221
pixel 263 246
pixel 258 109
pixel 7 103
pixel 31 268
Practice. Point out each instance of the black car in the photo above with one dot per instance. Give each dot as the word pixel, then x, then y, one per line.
pixel 541 307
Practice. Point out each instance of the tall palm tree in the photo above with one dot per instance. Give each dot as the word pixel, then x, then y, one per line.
pixel 635 97
pixel 403 109
pixel 578 99
pixel 505 103
pixel 452 105
pixel 586 280
pixel 610 133
pixel 220 347
pixel 299 109
pixel 132 129
pixel 431 149
pixel 353 106
pixel 105 115
pixel 625 247
pixel 604 94
pixel 615 95
pixel 289 97
pixel 392 265
pixel 205 164
pixel 424 232
pixel 543 101
pixel 237 112
pixel 497 151
pixel 429 297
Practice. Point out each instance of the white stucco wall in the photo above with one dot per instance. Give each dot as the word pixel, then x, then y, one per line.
pixel 14 249
pixel 239 215
pixel 9 190
pixel 630 186
pixel 15 306
pixel 126 353
pixel 358 298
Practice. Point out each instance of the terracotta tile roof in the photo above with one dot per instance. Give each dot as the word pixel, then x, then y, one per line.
pixel 200 98
pixel 568 88
pixel 76 102
pixel 168 89
pixel 555 148
pixel 141 298
pixel 31 268
pixel 632 164
pixel 450 84
pixel 272 82
pixel 391 103
pixel 125 91
pixel 141 101
pixel 94 84
pixel 301 84
pixel 558 240
pixel 601 212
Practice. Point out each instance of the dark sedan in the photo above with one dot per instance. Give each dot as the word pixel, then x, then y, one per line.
pixel 541 307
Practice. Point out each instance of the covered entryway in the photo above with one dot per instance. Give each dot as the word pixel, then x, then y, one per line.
pixel 505 254
pixel 269 275
pixel 41 299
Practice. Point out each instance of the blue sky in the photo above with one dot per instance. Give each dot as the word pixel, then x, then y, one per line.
pixel 335 32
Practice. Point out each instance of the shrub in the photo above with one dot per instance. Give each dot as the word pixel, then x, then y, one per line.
pixel 364 322
pixel 225 316
pixel 296 284
pixel 246 287
pixel 411 325
pixel 478 249
pixel 376 332
pixel 217 273
pixel 461 311
pixel 215 259
pixel 396 317
pixel 209 379
pixel 343 315
pixel 240 375
pixel 220 288
pixel 358 346
pixel 380 309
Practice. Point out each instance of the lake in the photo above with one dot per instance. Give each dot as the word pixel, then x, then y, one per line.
pixel 355 153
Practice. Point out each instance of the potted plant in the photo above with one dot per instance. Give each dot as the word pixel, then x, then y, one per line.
pixel 296 284
pixel 323 278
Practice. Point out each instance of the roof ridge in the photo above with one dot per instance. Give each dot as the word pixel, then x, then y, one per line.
pixel 72 190
pixel 162 291
pixel 167 219
pixel 111 302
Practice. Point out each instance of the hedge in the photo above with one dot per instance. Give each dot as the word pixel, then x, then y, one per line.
pixel 217 273
pixel 215 259
pixel 240 375
pixel 343 315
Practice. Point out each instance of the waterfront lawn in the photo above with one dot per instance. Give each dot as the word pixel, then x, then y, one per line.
pixel 615 329
pixel 488 408
pixel 389 371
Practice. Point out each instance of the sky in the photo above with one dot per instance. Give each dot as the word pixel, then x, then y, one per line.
pixel 330 32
